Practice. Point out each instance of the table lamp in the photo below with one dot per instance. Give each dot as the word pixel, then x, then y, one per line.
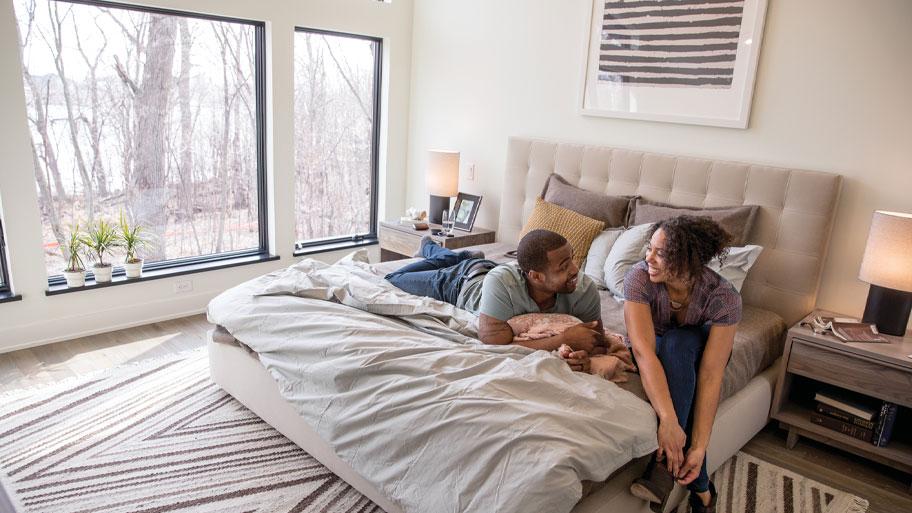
pixel 442 181
pixel 887 266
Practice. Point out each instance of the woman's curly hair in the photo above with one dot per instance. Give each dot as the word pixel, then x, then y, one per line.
pixel 691 242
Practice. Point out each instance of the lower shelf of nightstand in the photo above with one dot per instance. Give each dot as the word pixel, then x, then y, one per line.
pixel 795 418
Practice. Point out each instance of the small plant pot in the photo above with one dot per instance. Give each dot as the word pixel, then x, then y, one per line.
pixel 75 279
pixel 102 273
pixel 133 269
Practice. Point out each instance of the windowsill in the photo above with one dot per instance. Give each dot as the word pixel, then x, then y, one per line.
pixel 8 297
pixel 157 274
pixel 335 246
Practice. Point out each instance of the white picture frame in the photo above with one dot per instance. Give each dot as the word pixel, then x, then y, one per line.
pixel 655 84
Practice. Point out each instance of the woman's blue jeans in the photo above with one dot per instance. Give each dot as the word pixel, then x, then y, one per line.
pixel 439 275
pixel 680 350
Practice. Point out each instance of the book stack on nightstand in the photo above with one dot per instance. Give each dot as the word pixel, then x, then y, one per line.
pixel 855 396
pixel 855 415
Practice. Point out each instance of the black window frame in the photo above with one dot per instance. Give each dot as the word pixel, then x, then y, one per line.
pixel 371 237
pixel 5 290
pixel 58 281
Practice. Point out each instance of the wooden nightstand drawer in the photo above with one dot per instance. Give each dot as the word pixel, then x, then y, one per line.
pixel 398 241
pixel 851 371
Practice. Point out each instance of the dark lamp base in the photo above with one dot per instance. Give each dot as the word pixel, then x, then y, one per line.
pixel 888 309
pixel 436 207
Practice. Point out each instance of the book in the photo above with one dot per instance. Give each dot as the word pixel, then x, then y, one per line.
pixel 848 330
pixel 825 409
pixel 845 428
pixel 884 428
pixel 845 401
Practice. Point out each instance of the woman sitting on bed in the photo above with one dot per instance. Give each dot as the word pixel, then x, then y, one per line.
pixel 681 319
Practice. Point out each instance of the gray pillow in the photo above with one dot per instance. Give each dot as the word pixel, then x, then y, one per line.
pixel 737 221
pixel 612 210
pixel 629 249
pixel 598 253
pixel 738 262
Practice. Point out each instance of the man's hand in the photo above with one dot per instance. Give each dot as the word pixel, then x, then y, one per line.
pixel 577 360
pixel 693 462
pixel 671 445
pixel 584 337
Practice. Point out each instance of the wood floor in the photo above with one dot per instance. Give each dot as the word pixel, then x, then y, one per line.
pixel 885 488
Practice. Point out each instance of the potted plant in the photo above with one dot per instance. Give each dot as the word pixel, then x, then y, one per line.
pixel 131 239
pixel 101 238
pixel 75 269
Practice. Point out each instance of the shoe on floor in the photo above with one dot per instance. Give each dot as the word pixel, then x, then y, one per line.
pixel 427 239
pixel 654 486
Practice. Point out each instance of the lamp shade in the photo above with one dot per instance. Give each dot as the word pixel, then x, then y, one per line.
pixel 443 173
pixel 887 260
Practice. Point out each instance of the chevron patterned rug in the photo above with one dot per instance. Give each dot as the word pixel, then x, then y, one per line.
pixel 155 437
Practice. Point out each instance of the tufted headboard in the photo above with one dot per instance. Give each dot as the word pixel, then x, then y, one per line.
pixel 793 223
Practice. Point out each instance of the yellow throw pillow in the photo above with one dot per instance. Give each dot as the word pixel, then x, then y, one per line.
pixel 578 229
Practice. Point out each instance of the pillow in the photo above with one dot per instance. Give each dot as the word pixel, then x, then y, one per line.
pixel 598 253
pixel 737 264
pixel 737 221
pixel 612 210
pixel 629 249
pixel 578 229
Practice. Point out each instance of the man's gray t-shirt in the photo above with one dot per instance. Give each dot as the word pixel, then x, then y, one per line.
pixel 502 294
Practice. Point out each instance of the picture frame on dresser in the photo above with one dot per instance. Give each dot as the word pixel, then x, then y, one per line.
pixel 695 66
pixel 466 208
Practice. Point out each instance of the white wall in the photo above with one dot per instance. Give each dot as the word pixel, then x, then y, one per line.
pixel 40 319
pixel 832 94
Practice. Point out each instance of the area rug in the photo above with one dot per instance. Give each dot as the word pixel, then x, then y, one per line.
pixel 153 438
pixel 160 436
pixel 748 485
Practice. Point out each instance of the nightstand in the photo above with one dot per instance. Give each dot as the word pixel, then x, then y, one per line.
pixel 401 241
pixel 879 370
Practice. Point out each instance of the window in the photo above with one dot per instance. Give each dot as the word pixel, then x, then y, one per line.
pixel 152 113
pixel 337 107
pixel 4 274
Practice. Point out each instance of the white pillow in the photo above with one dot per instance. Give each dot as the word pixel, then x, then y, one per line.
pixel 738 262
pixel 598 252
pixel 629 249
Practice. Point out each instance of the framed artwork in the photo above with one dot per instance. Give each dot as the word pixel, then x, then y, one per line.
pixel 466 209
pixel 683 61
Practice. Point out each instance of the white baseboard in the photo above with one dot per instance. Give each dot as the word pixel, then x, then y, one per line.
pixel 94 323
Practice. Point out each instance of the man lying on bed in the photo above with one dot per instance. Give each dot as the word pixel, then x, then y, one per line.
pixel 545 279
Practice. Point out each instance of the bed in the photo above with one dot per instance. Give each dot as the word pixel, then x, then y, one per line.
pixel 793 225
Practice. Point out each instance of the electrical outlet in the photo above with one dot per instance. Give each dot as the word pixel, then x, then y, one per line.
pixel 470 172
pixel 183 286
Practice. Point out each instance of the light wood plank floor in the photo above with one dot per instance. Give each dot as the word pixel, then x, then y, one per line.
pixel 885 488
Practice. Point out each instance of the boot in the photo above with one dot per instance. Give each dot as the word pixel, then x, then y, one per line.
pixel 655 485
pixel 696 505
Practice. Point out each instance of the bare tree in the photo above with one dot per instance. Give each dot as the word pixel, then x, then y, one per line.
pixel 148 186
pixel 57 29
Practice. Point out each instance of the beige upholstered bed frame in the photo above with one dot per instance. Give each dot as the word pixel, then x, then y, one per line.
pixel 793 225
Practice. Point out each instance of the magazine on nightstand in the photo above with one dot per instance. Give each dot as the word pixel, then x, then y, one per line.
pixel 848 330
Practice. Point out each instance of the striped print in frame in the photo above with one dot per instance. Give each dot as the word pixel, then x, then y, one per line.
pixel 673 43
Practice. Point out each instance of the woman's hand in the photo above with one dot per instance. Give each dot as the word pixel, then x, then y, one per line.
pixel 671 445
pixel 693 462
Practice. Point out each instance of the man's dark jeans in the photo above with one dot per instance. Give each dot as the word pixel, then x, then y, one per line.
pixel 440 275
pixel 680 350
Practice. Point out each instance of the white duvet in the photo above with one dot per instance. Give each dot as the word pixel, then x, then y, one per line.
pixel 436 420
